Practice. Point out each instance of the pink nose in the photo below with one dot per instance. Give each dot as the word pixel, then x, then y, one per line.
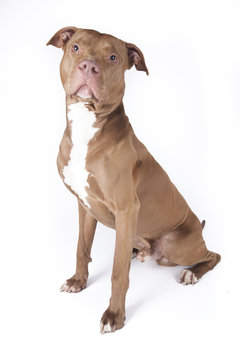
pixel 89 67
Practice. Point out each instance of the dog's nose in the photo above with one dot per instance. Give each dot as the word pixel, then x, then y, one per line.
pixel 89 67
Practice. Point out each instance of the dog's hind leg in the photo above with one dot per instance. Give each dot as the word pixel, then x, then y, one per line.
pixel 185 246
pixel 193 274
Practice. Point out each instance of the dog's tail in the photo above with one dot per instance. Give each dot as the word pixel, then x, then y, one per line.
pixel 203 224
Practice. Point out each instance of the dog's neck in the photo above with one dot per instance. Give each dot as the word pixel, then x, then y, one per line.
pixel 103 113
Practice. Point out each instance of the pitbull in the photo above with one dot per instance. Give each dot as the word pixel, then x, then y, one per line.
pixel 114 177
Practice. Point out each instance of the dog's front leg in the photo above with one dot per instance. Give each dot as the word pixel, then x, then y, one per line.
pixel 126 221
pixel 87 226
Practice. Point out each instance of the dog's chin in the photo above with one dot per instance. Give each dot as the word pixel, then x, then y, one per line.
pixel 85 94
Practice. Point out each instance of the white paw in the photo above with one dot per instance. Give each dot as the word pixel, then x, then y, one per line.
pixel 106 328
pixel 188 277
pixel 67 288
pixel 143 255
pixel 72 287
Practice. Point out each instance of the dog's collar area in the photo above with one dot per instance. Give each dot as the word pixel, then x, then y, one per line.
pixel 102 112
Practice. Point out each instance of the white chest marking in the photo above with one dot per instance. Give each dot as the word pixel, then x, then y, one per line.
pixel 75 173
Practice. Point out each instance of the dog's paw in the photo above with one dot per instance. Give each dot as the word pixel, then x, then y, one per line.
pixel 187 277
pixel 111 322
pixel 143 255
pixel 74 285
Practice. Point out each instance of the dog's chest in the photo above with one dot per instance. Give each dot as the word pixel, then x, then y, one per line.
pixel 82 131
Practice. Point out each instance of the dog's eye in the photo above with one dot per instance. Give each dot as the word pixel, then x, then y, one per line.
pixel 113 58
pixel 75 48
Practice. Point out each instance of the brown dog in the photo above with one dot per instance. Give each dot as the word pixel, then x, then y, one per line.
pixel 112 174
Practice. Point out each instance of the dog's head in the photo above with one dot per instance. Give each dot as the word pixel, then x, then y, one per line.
pixel 93 65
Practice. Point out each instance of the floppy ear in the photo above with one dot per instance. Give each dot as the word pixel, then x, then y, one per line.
pixel 135 57
pixel 62 36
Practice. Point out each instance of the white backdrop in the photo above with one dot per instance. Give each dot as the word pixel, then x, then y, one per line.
pixel 187 113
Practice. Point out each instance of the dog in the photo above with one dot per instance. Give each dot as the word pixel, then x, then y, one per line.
pixel 114 177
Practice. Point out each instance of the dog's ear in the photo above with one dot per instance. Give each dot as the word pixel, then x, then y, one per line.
pixel 62 36
pixel 135 57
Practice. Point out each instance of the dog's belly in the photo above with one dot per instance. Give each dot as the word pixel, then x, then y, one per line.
pixel 161 208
